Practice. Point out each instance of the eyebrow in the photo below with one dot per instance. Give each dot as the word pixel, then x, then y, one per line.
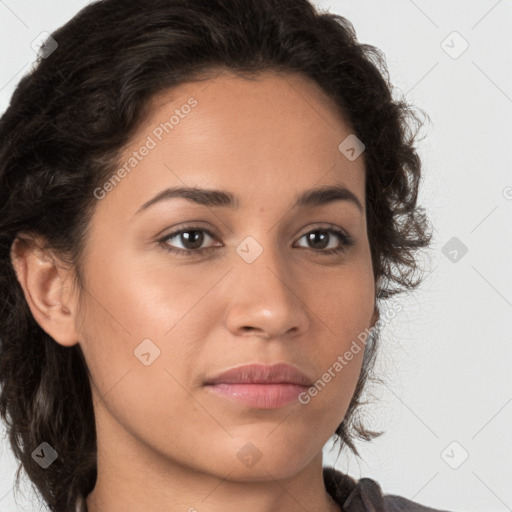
pixel 221 198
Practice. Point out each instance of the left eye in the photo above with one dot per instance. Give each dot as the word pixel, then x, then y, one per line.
pixel 326 234
pixel 193 238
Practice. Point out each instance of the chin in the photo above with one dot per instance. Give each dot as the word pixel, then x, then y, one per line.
pixel 264 459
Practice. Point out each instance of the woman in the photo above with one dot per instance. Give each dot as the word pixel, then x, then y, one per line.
pixel 143 368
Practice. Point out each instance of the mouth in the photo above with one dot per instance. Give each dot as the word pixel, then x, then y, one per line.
pixel 259 385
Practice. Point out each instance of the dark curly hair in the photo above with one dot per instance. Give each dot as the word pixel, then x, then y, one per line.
pixel 62 136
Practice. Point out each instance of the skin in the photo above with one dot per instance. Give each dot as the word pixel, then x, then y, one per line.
pixel 164 442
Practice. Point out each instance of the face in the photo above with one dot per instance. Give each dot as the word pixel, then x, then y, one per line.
pixel 260 280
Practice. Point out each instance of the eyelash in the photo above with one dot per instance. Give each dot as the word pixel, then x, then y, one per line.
pixel 346 241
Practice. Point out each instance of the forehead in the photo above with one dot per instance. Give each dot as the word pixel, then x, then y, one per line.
pixel 262 138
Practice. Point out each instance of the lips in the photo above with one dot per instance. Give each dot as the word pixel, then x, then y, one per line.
pixel 259 386
pixel 255 373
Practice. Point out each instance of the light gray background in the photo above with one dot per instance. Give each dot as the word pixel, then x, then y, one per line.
pixel 446 357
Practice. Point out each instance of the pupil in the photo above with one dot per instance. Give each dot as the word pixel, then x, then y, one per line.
pixel 323 235
pixel 195 244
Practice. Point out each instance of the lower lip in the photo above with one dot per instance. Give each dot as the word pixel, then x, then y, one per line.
pixel 261 396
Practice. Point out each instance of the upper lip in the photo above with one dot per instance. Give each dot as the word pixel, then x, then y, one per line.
pixel 261 374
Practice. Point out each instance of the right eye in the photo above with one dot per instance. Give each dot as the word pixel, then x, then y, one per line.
pixel 194 236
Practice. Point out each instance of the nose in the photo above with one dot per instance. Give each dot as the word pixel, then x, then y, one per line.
pixel 268 298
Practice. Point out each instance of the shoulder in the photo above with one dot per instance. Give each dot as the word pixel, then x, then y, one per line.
pixel 365 495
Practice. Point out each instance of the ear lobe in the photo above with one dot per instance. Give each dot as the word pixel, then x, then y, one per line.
pixel 44 281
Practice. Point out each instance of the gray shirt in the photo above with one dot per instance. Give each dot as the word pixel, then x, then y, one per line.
pixel 365 495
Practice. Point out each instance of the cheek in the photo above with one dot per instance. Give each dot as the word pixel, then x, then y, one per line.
pixel 137 328
pixel 138 376
pixel 346 302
